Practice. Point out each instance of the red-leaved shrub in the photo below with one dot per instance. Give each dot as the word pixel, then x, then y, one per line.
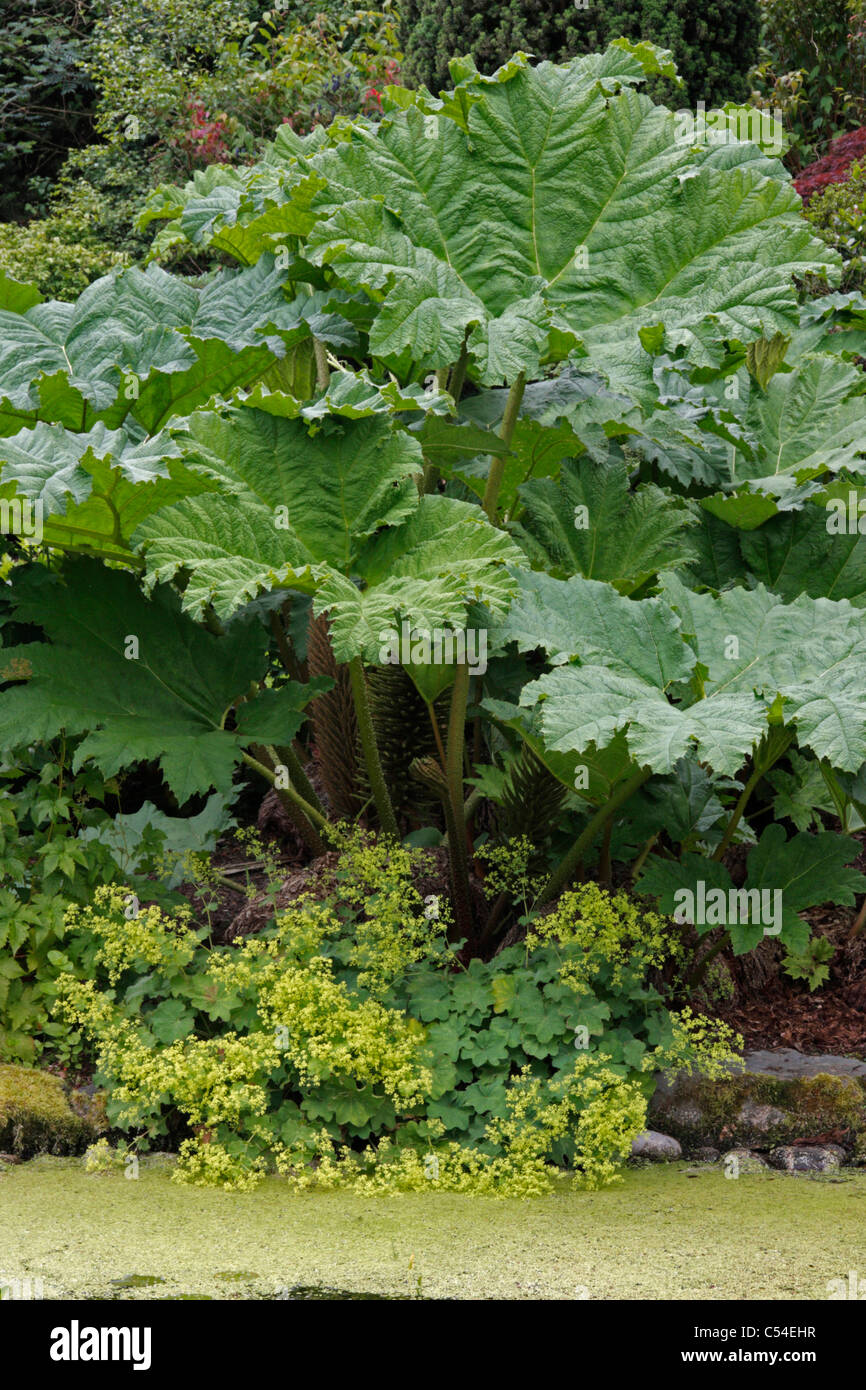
pixel 834 166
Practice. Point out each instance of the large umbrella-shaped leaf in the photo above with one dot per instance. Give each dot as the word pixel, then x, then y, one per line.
pixel 805 659
pixel 591 523
pixel 96 487
pixel 558 197
pixel 140 679
pixel 293 504
pixel 144 343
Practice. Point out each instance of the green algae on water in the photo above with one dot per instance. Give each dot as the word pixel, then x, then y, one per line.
pixel 658 1234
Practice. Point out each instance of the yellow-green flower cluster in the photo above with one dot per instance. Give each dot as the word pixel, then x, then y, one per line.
pixel 391 932
pixel 507 868
pixel 699 1044
pixel 329 1031
pixel 607 930
pixel 129 935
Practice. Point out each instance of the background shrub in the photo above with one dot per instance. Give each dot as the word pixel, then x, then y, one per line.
pixel 837 213
pixel 45 94
pixel 60 269
pixel 209 83
pixel 833 167
pixel 813 67
pixel 714 44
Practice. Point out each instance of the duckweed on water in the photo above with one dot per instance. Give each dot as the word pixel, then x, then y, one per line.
pixel 669 1232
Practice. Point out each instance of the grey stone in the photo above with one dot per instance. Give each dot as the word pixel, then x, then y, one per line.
pixel 747 1162
pixel 755 1121
pixel 660 1148
pixel 706 1154
pixel 158 1160
pixel 781 1096
pixel 686 1114
pixel 808 1158
pixel 786 1063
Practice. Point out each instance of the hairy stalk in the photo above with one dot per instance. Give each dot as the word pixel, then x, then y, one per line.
pixel 470 805
pixel 458 375
pixel 370 749
pixel 457 852
pixel 737 813
pixel 604 869
pixel 299 778
pixel 497 912
pixel 642 856
pixel 769 751
pixel 304 817
pixel 287 656
pixel 859 921
pixel 430 479
pixel 506 433
pixel 567 867
pixel 440 748
pixel 700 970
pixel 323 374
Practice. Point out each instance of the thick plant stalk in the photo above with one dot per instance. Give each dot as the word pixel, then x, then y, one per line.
pixel 304 817
pixel 287 656
pixel 566 869
pixel 432 775
pixel 301 781
pixel 458 375
pixel 774 743
pixel 323 374
pixel 458 857
pixel 642 857
pixel 696 976
pixel 370 749
pixel 506 433
pixel 859 922
pixel 737 814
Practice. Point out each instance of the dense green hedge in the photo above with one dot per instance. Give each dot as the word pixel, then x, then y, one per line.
pixel 714 44
pixel 45 94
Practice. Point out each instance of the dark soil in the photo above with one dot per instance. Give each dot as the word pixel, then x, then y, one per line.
pixel 772 1010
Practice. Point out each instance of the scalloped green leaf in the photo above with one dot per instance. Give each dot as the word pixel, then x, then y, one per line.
pixel 298 503
pixel 139 678
pixel 590 522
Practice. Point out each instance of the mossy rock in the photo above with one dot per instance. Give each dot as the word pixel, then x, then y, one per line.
pixel 760 1111
pixel 36 1116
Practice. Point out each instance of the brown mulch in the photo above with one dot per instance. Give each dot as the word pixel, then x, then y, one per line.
pixel 772 1010
pixel 819 1022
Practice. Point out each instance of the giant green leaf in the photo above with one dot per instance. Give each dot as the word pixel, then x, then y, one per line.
pixel 586 618
pixel 590 523
pixel 587 705
pixel 556 187
pixel 806 870
pixel 445 556
pixel 807 422
pixel 139 678
pixel 298 503
pixel 146 343
pixel 807 654
pixel 805 552
pixel 96 487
